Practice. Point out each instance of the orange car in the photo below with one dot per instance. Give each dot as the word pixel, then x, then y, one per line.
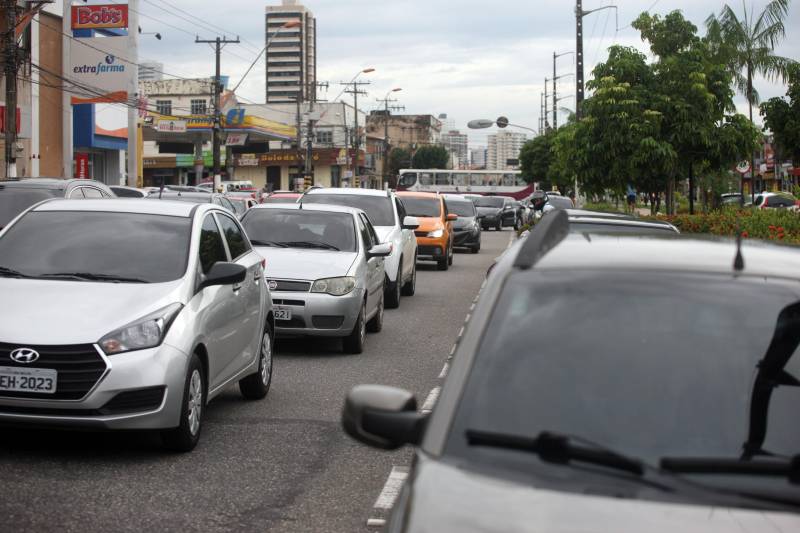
pixel 435 232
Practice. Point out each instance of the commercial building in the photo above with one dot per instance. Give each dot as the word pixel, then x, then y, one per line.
pixel 409 132
pixel 504 148
pixel 457 145
pixel 477 158
pixel 151 71
pixel 292 55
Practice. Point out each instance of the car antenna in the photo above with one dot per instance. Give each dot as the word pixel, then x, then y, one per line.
pixel 738 262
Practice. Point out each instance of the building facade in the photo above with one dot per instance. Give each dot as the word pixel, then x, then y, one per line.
pixel 292 54
pixel 409 132
pixel 504 147
pixel 457 145
pixel 151 71
pixel 477 158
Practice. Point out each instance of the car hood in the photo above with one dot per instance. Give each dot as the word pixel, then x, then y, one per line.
pixel 442 497
pixel 76 312
pixel 301 263
pixel 429 223
pixel 483 211
pixel 463 222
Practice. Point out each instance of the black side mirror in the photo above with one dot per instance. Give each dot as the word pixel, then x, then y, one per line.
pixel 383 417
pixel 224 274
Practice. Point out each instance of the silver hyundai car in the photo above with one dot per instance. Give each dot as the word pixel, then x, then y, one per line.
pixel 123 314
pixel 325 269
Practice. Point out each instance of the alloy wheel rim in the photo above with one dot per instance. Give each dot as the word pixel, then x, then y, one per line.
pixel 266 359
pixel 195 407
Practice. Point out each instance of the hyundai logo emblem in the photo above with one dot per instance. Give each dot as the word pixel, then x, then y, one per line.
pixel 25 356
pixel 272 284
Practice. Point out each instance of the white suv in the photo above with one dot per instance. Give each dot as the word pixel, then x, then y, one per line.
pixel 392 225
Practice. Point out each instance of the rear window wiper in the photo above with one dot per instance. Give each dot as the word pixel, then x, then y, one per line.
pixel 557 448
pixel 776 467
pixel 311 244
pixel 89 276
pixel 256 242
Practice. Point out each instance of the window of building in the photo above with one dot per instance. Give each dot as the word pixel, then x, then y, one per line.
pixel 325 137
pixel 199 107
pixel 164 107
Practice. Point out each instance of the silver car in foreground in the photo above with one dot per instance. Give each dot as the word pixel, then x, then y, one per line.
pixel 124 314
pixel 325 269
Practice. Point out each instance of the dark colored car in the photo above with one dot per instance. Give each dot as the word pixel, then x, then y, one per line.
pixel 123 191
pixel 466 229
pixel 18 195
pixel 496 212
pixel 611 383
pixel 194 197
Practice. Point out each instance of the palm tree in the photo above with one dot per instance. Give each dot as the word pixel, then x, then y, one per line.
pixel 748 42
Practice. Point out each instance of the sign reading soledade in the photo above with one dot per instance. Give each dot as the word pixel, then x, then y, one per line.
pixel 99 17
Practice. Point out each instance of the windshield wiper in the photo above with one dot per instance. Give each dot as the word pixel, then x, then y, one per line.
pixel 788 468
pixel 11 273
pixel 256 242
pixel 89 276
pixel 556 448
pixel 311 244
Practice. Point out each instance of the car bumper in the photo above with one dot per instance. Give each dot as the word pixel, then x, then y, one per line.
pixel 317 315
pixel 428 248
pixel 467 239
pixel 139 390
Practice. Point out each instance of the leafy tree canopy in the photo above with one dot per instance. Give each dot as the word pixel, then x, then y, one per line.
pixel 431 157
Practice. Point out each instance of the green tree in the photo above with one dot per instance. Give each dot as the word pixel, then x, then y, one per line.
pixel 535 158
pixel 782 118
pixel 399 158
pixel 432 157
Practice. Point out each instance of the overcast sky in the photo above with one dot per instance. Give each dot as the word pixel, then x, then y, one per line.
pixel 467 58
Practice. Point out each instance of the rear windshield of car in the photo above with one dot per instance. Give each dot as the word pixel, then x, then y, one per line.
pixel 422 207
pixel 600 227
pixel 302 229
pixel 560 202
pixel 462 208
pixel 148 248
pixel 489 201
pixel 15 200
pixel 378 208
pixel 663 365
pixel 280 200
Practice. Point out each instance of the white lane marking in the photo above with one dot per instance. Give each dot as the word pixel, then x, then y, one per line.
pixel 430 401
pixel 461 332
pixel 445 369
pixel 471 308
pixel 511 239
pixel 376 522
pixel 469 315
pixel 452 350
pixel 391 489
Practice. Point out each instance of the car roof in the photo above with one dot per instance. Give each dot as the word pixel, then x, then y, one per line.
pixel 327 208
pixel 580 213
pixel 413 194
pixel 347 191
pixel 455 198
pixel 610 223
pixel 44 183
pixel 123 205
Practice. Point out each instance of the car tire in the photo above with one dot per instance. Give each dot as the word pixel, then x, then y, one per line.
pixel 391 294
pixel 411 285
pixel 499 225
pixel 256 386
pixel 375 325
pixel 186 436
pixel 450 256
pixel 475 249
pixel 443 264
pixel 354 343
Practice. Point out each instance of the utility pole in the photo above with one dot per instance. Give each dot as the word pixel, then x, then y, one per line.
pixel 218 43
pixel 309 160
pixel 355 91
pixel 11 57
pixel 579 85
pixel 546 111
pixel 386 110
pixel 556 77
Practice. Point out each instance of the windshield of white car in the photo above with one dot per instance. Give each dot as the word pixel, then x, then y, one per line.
pixel 651 367
pixel 96 246
pixel 15 200
pixel 490 201
pixel 293 228
pixel 378 208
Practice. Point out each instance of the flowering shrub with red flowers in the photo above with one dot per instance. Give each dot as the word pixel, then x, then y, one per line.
pixel 778 225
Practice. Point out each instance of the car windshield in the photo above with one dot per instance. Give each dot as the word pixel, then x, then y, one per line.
pixel 560 202
pixel 123 246
pixel 461 208
pixel 378 208
pixel 301 229
pixel 674 371
pixel 15 200
pixel 422 207
pixel 489 201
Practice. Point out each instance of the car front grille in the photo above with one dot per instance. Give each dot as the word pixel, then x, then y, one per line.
pixel 327 322
pixel 79 368
pixel 421 233
pixel 283 285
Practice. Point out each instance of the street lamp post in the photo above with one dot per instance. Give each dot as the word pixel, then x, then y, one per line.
pixel 355 91
pixel 386 132
pixel 482 124
pixel 556 77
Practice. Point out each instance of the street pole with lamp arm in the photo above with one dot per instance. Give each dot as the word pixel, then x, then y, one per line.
pixel 556 77
pixel 579 14
pixel 386 101
pixel 356 137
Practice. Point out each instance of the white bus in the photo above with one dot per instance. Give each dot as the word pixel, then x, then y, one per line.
pixel 490 182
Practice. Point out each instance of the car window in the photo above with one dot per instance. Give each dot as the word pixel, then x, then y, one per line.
pixel 76 194
pixel 462 208
pixel 489 201
pixel 150 248
pixel 300 229
pixel 227 204
pixel 237 242
pixel 371 230
pixel 366 237
pixel 15 200
pixel 423 207
pixel 92 192
pixel 378 208
pixel 212 249
pixel 127 193
pixel 401 210
pixel 758 200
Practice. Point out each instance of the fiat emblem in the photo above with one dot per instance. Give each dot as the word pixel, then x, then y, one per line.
pixel 272 284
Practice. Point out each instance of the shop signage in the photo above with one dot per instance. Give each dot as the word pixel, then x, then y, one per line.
pixel 236 139
pixel 98 69
pixel 171 126
pixel 327 156
pixel 743 167
pixel 82 166
pixel 99 17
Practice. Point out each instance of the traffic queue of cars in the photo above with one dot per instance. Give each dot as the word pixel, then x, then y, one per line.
pixel 132 313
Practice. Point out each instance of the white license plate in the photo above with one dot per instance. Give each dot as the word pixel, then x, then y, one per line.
pixel 36 380
pixel 283 313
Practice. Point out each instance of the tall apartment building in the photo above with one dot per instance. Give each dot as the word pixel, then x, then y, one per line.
pixel 457 144
pixel 504 145
pixel 292 55
pixel 477 158
pixel 151 71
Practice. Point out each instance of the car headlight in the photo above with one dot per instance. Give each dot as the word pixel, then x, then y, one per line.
pixel 147 332
pixel 436 233
pixel 334 286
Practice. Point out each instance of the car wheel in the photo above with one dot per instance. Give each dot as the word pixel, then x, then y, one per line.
pixel 443 264
pixel 375 325
pixel 475 249
pixel 450 256
pixel 354 343
pixel 186 436
pixel 256 386
pixel 411 285
pixel 499 225
pixel 392 293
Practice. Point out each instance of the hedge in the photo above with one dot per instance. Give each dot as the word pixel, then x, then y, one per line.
pixel 768 224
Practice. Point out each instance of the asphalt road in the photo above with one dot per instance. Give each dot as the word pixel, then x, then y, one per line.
pixel 282 464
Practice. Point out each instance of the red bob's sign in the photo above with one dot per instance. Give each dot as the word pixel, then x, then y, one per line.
pixel 99 17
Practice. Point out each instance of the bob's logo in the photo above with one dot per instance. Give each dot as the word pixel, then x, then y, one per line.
pixel 99 17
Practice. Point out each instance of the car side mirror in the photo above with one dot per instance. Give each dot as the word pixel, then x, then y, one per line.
pixel 380 250
pixel 223 273
pixel 451 217
pixel 410 223
pixel 383 417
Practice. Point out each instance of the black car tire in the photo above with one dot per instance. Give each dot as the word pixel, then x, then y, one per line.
pixel 182 439
pixel 392 292
pixel 475 249
pixel 375 325
pixel 256 386
pixel 443 264
pixel 499 225
pixel 354 343
pixel 450 256
pixel 411 285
